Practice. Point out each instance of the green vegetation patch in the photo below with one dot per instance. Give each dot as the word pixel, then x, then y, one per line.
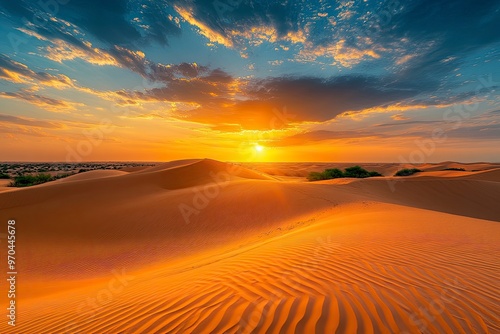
pixel 407 172
pixel 27 180
pixel 335 173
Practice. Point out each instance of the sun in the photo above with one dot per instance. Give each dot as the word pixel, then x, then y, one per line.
pixel 259 148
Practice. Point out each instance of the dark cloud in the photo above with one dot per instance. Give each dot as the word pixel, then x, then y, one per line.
pixel 456 26
pixel 105 20
pixel 396 124
pixel 445 32
pixel 167 73
pixel 134 61
pixel 110 21
pixel 464 131
pixel 491 131
pixel 155 15
pixel 186 83
pixel 317 99
pixel 439 34
pixel 227 16
pixel 305 99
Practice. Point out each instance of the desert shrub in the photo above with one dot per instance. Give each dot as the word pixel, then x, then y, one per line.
pixel 356 171
pixel 30 180
pixel 4 176
pixel 459 169
pixel 333 173
pixel 315 176
pixel 407 172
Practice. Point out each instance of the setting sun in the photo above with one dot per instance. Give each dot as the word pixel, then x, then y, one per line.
pixel 259 148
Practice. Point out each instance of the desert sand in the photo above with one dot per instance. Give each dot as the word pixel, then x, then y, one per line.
pixel 202 246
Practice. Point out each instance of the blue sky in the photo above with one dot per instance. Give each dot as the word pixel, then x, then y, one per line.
pixel 177 77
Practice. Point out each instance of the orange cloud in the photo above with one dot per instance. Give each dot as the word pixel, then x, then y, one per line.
pixel 347 56
pixel 399 117
pixel 62 51
pixel 204 29
pixel 254 35
pixel 17 72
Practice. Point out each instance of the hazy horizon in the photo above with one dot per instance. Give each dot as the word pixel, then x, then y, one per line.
pixel 249 162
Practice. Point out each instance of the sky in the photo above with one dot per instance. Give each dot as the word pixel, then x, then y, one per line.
pixel 233 80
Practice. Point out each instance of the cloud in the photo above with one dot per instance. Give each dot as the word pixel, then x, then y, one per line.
pixel 491 131
pixel 234 23
pixel 44 102
pixel 251 103
pixel 226 127
pixel 399 117
pixel 205 30
pixel 339 51
pixel 16 72
pixel 322 135
pixel 397 124
pixel 275 62
pixel 29 122
pixel 315 99
pixel 443 33
pixel 108 21
pixel 166 73
pixel 419 46
pixel 466 132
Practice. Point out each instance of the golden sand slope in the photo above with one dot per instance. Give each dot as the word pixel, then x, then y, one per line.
pixel 94 174
pixel 360 271
pixel 115 254
pixel 4 185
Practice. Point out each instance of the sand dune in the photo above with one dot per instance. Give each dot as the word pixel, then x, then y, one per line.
pixel 4 185
pixel 488 175
pixel 257 255
pixel 459 196
pixel 134 169
pixel 292 169
pixel 356 272
pixel 170 164
pixel 94 174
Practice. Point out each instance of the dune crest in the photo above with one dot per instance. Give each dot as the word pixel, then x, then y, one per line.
pixel 93 174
